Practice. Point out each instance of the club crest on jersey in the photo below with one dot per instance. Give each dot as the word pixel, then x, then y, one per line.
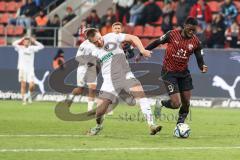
pixel 190 47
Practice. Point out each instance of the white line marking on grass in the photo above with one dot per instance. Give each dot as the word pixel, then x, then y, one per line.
pixel 116 149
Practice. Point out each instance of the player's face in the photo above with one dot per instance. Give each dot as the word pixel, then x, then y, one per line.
pixel 117 29
pixel 26 42
pixel 190 30
pixel 97 40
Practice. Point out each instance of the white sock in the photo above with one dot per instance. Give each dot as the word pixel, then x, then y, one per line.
pixel 146 110
pixel 90 105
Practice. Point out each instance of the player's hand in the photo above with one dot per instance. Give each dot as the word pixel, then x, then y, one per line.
pixel 204 69
pixel 146 53
pixel 138 58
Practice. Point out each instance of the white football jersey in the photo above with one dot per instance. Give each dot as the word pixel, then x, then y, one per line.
pixel 26 55
pixel 112 56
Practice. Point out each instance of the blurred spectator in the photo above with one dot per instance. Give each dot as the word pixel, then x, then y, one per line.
pixel 24 14
pixel 93 20
pixel 68 16
pixel 202 12
pixel 110 16
pixel 151 13
pixel 58 60
pixel 136 12
pixel 232 34
pixel 182 11
pixel 41 21
pixel 54 23
pixel 79 35
pixel 123 7
pixel 229 12
pixel 167 14
pixel 107 28
pixel 208 35
pixel 201 36
pixel 218 31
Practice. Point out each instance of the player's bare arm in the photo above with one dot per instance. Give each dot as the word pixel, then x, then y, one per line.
pixel 136 41
pixel 199 57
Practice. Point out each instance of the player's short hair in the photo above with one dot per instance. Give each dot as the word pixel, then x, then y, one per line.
pixel 91 32
pixel 192 21
pixel 27 38
pixel 117 24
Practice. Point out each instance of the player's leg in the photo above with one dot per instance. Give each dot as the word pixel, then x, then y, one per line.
pixel 185 87
pixel 102 106
pixel 30 80
pixel 91 95
pixel 184 110
pixel 138 93
pixel 22 78
pixel 174 102
pixel 23 91
pixel 31 89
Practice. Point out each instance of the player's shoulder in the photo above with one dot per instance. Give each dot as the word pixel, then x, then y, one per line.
pixel 196 39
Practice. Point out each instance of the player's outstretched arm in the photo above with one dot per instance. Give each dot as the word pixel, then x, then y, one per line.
pixel 38 46
pixel 16 43
pixel 199 56
pixel 136 41
pixel 162 40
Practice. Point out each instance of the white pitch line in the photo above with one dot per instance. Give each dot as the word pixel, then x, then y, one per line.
pixel 117 149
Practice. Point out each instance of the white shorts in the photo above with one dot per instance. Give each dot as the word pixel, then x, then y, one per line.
pixel 26 76
pixel 110 89
pixel 86 76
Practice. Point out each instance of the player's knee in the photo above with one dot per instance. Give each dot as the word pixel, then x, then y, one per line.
pixel 176 104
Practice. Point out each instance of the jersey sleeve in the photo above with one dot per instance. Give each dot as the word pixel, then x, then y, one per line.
pixel 16 44
pixel 120 37
pixel 38 46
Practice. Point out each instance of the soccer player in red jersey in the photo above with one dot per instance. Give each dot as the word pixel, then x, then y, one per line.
pixel 175 73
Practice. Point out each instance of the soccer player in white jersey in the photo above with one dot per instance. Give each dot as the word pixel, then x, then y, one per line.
pixel 86 75
pixel 117 75
pixel 26 53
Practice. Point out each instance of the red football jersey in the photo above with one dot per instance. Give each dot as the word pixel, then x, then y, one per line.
pixel 178 51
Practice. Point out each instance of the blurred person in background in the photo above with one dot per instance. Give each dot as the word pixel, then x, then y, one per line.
pixel 109 17
pixel 58 60
pixel 136 13
pixel 26 48
pixel 218 31
pixel 151 13
pixel 232 34
pixel 93 20
pixel 69 15
pixel 229 12
pixel 80 35
pixel 202 12
pixel 123 7
pixel 167 14
pixel 182 11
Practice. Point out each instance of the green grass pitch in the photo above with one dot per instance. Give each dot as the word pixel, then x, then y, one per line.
pixel 33 132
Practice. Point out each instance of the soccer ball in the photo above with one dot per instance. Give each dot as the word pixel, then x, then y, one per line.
pixel 182 130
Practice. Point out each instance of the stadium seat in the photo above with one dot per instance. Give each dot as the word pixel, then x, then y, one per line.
pixel 2 30
pixel 148 31
pixel 10 30
pixel 11 7
pixel 128 29
pixel 138 31
pixel 145 41
pixel 2 6
pixel 4 18
pixel 214 6
pixel 19 30
pixel 158 32
pixel 2 41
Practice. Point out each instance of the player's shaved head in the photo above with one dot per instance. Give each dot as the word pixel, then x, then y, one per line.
pixel 94 36
pixel 91 32
pixel 191 21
